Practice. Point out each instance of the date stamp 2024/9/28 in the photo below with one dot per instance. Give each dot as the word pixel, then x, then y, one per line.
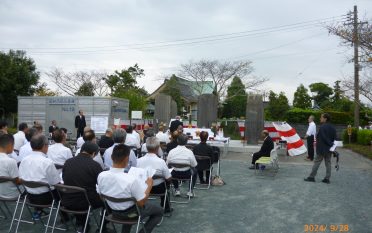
pixel 326 228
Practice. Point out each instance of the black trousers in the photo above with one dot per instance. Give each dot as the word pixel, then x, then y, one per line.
pixel 257 156
pixel 160 189
pixel 201 176
pixel 310 146
pixel 184 175
pixel 79 133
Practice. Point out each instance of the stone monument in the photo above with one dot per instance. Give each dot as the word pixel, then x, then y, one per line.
pixel 207 110
pixel 165 108
pixel 254 119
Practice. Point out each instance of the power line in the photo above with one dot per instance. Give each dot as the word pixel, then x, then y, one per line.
pixel 195 40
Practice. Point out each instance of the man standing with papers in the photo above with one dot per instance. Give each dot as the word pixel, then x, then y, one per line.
pixel 324 142
pixel 116 183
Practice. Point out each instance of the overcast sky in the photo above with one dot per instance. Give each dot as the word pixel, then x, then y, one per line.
pixel 112 35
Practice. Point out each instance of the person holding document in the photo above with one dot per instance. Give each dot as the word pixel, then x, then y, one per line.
pixel 137 183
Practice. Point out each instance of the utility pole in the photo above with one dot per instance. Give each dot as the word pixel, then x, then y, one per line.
pixel 356 67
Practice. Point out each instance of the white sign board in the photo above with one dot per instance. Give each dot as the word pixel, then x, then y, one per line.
pixel 99 123
pixel 117 121
pixel 136 114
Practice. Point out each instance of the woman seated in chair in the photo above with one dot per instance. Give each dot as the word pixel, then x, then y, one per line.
pixel 203 149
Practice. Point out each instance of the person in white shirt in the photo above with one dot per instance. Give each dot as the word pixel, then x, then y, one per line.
pixel 26 149
pixel 310 135
pixel 163 137
pixel 131 139
pixel 182 155
pixel 80 141
pixel 90 136
pixel 151 160
pixel 20 136
pixel 119 136
pixel 8 167
pixel 57 152
pixel 134 126
pixel 116 183
pixel 159 153
pixel 37 167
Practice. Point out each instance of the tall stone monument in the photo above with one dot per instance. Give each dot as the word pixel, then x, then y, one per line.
pixel 207 110
pixel 165 108
pixel 254 118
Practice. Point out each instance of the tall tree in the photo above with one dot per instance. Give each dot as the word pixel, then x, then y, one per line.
pixel 322 93
pixel 18 77
pixel 70 83
pixel 86 89
pixel 172 89
pixel 278 106
pixel 221 73
pixel 301 98
pixel 123 84
pixel 337 92
pixel 236 100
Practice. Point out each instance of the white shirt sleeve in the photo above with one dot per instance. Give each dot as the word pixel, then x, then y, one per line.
pixel 13 169
pixel 165 171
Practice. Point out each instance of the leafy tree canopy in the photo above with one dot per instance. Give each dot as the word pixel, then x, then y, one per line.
pixel 18 77
pixel 301 98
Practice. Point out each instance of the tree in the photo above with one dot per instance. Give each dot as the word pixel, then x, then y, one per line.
pixel 18 77
pixel 125 79
pixel 172 89
pixel 278 106
pixel 123 84
pixel 86 89
pixel 337 92
pixel 221 73
pixel 301 98
pixel 236 100
pixel 43 90
pixel 323 93
pixel 365 85
pixel 70 83
pixel 346 33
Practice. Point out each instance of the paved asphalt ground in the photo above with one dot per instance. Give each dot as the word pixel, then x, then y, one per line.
pixel 283 203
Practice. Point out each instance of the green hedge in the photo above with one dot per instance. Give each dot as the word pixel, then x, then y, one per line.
pixel 354 136
pixel 364 137
pixel 297 115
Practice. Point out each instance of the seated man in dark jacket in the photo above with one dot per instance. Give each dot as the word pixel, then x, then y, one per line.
pixel 203 149
pixel 82 171
pixel 265 150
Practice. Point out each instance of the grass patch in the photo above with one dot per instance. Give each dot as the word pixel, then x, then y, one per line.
pixel 361 149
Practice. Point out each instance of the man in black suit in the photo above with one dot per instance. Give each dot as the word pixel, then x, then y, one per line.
pixel 324 141
pixel 265 150
pixel 80 124
pixel 53 127
pixel 174 124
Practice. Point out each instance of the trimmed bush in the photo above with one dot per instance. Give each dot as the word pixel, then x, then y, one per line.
pixel 297 115
pixel 364 137
pixel 354 136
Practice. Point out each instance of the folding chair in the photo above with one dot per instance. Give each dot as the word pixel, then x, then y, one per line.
pixel 34 184
pixel 205 164
pixel 190 146
pixel 165 194
pixel 65 189
pixel 178 165
pixel 17 200
pixel 129 221
pixel 272 160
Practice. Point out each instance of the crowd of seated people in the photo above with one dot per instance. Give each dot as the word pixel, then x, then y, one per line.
pixel 99 173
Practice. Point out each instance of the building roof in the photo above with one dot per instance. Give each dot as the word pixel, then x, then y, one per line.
pixel 190 90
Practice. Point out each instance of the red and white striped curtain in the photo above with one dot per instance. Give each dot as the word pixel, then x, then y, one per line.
pixel 295 145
